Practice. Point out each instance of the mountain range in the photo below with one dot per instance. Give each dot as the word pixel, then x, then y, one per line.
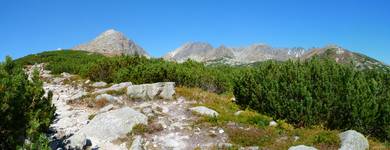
pixel 112 43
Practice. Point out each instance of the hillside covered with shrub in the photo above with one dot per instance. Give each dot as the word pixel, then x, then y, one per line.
pixel 137 69
pixel 318 92
pixel 315 92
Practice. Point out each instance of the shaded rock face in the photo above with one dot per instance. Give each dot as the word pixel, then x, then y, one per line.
pixel 352 140
pixel 112 43
pixel 204 52
pixel 161 90
pixel 108 126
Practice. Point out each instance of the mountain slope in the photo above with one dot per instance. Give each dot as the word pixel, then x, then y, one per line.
pixel 345 56
pixel 112 43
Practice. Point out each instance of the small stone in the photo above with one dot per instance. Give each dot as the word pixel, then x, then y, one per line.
pixel 296 138
pixel 273 124
pixel 87 82
pixel 212 131
pixel 204 111
pixel 99 84
pixel 238 113
pixel 221 131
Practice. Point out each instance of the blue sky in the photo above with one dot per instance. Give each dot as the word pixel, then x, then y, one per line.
pixel 159 26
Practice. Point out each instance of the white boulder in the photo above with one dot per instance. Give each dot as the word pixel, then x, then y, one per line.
pixel 108 126
pixel 273 123
pixel 204 111
pixel 161 90
pixel 238 113
pixel 301 147
pixel 352 140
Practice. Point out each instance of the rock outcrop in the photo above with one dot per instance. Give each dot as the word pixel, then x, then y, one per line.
pixel 108 126
pixel 204 111
pixel 112 43
pixel 161 90
pixel 115 87
pixel 352 140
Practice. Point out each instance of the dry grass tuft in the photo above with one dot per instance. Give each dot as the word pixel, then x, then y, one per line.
pixel 101 102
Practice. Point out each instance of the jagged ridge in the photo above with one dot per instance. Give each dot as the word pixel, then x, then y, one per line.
pixel 204 52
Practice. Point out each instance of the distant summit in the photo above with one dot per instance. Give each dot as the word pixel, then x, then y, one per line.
pixel 345 56
pixel 112 43
pixel 204 52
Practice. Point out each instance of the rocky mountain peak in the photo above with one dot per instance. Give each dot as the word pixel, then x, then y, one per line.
pixel 111 43
pixel 112 34
pixel 190 50
pixel 259 46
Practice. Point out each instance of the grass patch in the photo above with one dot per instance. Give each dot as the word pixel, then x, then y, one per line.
pixel 141 129
pixel 73 80
pixel 117 92
pixel 91 116
pixel 224 105
pixel 250 136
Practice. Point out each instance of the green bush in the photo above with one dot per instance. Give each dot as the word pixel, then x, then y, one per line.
pixel 75 62
pixel 318 92
pixel 24 112
pixel 136 69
